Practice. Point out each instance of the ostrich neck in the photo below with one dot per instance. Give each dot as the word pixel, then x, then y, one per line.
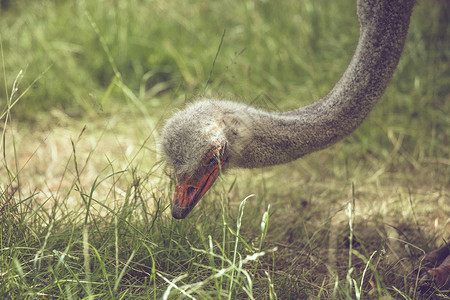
pixel 282 137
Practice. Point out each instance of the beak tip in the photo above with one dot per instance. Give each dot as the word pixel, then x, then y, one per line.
pixel 179 212
pixel 178 217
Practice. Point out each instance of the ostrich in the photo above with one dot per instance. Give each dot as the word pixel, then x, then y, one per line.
pixel 213 135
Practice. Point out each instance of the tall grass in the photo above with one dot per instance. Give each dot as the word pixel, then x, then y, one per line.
pixel 118 243
pixel 85 197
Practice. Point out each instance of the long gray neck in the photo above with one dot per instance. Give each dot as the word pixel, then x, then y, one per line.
pixel 282 137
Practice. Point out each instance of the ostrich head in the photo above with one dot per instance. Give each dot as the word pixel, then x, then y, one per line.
pixel 195 147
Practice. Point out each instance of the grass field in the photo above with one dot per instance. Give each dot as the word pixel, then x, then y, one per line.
pixel 85 196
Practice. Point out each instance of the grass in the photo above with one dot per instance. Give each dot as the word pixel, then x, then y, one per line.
pixel 85 197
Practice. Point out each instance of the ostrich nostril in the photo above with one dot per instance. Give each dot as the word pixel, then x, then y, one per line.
pixel 190 190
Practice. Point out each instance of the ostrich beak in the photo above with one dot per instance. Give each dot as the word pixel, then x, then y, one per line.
pixel 190 191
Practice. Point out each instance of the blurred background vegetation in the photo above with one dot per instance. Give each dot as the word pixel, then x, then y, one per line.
pixel 290 52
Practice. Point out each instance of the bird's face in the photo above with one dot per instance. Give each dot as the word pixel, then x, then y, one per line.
pixel 195 148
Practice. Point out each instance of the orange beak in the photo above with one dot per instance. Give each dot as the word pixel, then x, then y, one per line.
pixel 190 191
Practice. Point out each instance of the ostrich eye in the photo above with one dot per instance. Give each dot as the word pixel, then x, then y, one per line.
pixel 213 156
pixel 212 160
